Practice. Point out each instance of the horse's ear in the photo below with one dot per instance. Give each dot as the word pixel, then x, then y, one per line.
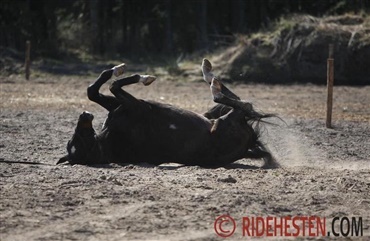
pixel 63 159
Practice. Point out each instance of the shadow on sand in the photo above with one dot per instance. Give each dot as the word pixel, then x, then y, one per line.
pixel 173 166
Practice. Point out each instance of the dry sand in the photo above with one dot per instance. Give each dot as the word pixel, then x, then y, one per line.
pixel 325 172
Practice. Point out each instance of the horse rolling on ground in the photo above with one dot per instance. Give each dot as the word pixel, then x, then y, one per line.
pixel 146 131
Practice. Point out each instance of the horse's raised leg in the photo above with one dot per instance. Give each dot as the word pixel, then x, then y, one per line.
pixel 221 98
pixel 108 102
pixel 121 95
pixel 208 76
pixel 219 109
pixel 248 143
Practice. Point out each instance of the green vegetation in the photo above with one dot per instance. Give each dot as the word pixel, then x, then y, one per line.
pixel 254 40
pixel 132 28
pixel 295 48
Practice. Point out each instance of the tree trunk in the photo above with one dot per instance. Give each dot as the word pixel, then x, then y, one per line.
pixel 124 41
pixel 237 16
pixel 202 27
pixel 94 26
pixel 168 27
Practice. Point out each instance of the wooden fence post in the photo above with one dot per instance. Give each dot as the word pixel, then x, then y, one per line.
pixel 28 61
pixel 330 83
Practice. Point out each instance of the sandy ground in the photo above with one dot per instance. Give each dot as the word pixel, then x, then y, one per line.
pixel 325 172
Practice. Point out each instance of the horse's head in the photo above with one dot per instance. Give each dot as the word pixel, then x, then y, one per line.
pixel 83 147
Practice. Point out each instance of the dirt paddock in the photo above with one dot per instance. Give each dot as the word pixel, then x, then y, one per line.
pixel 325 172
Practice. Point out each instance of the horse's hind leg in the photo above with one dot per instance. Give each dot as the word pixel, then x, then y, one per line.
pixel 237 115
pixel 221 98
pixel 219 109
pixel 232 137
pixel 108 102
pixel 208 76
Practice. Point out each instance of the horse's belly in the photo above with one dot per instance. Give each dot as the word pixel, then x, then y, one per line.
pixel 168 141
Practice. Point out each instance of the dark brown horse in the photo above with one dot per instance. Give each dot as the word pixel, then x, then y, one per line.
pixel 147 131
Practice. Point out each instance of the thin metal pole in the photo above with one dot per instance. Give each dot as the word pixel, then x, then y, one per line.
pixel 330 83
pixel 28 59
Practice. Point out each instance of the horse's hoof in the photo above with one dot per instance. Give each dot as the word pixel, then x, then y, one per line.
pixel 119 69
pixel 147 79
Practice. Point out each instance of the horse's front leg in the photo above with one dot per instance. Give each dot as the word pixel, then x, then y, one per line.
pixel 108 102
pixel 121 95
